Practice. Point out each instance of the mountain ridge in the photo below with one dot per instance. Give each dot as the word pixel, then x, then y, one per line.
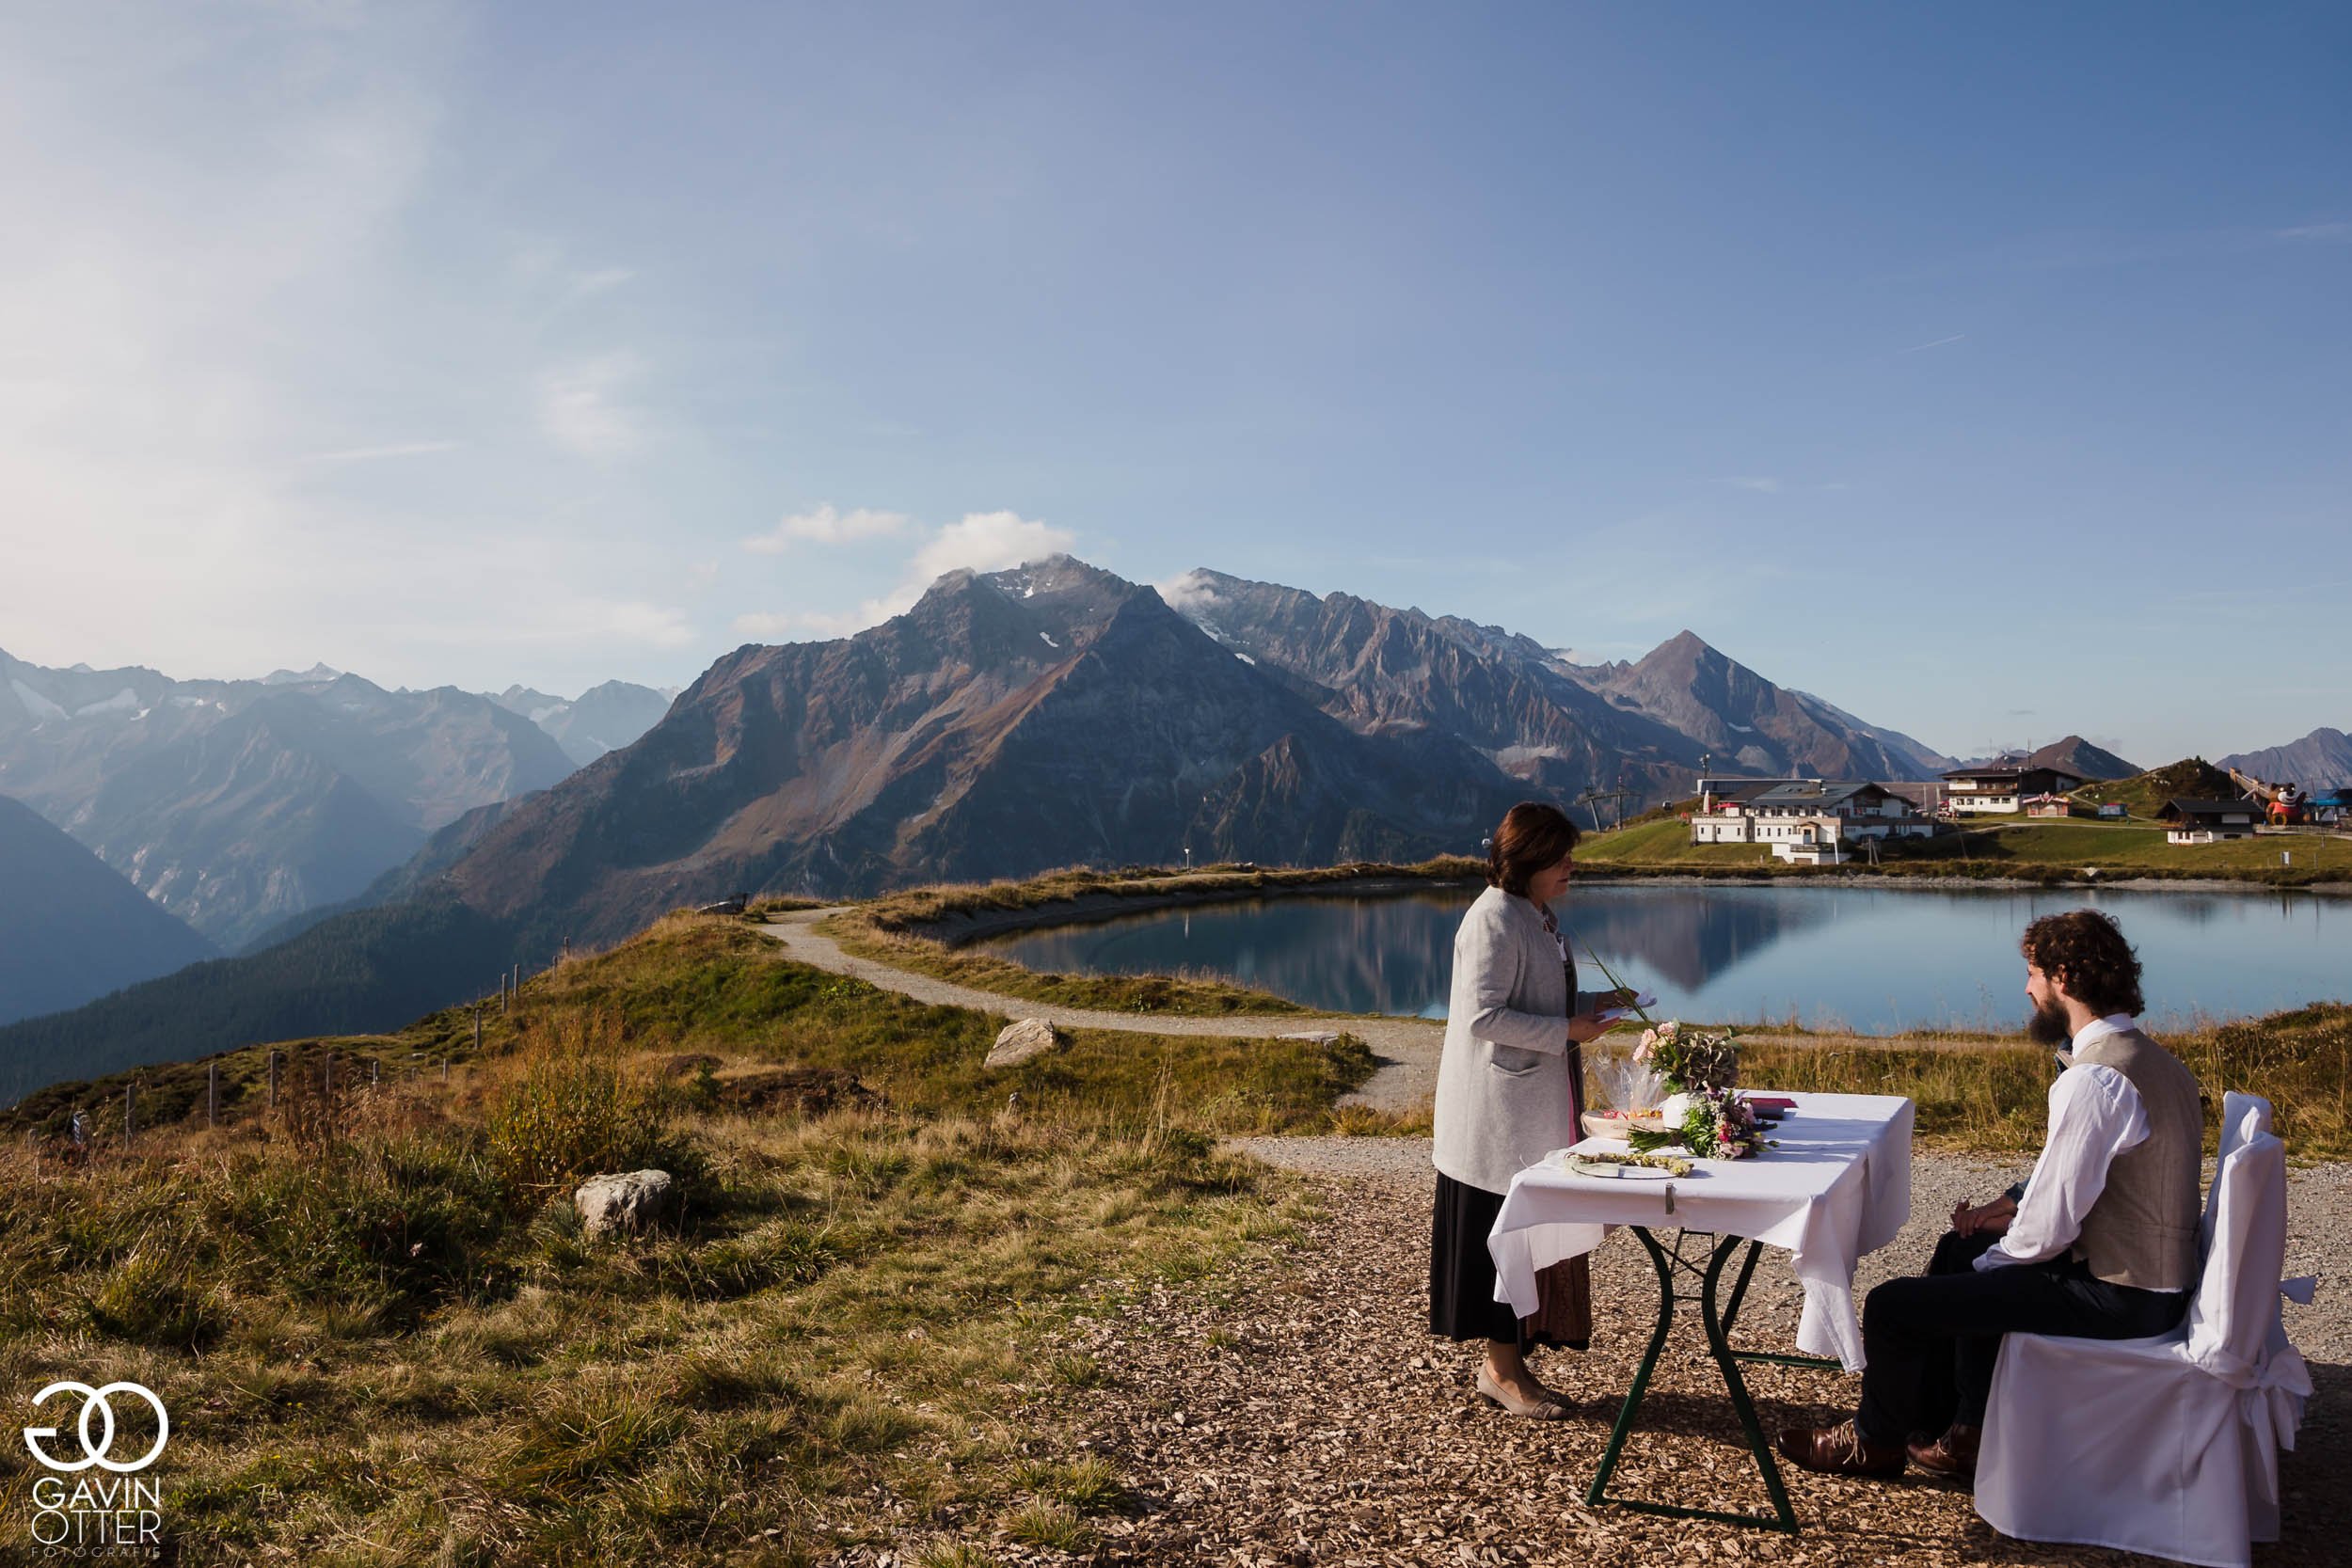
pixel 2320 760
pixel 73 928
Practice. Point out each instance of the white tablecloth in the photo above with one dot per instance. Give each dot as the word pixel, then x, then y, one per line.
pixel 1838 1186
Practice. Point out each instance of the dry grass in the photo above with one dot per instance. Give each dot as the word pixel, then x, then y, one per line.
pixel 842 1344
pixel 1994 1097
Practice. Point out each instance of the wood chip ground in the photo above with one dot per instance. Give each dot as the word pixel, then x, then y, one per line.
pixel 1301 1414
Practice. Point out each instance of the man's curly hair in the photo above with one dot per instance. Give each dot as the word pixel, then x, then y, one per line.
pixel 2084 950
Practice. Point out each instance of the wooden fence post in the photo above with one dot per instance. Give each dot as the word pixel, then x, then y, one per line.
pixel 130 1115
pixel 212 1094
pixel 273 1080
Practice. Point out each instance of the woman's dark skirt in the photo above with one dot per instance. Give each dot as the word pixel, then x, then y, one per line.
pixel 1462 1303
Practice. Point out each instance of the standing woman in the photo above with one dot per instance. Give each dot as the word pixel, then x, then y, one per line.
pixel 1510 1086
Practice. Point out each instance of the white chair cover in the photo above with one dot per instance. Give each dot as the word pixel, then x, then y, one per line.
pixel 2242 1117
pixel 2167 1445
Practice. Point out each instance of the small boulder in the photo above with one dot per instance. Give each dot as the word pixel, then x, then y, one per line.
pixel 625 1205
pixel 690 1063
pixel 1029 1037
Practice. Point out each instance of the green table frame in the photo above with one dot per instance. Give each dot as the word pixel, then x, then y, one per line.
pixel 1707 1271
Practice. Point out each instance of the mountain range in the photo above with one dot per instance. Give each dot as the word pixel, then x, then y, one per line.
pixel 1010 721
pixel 238 804
pixel 2321 760
pixel 1648 726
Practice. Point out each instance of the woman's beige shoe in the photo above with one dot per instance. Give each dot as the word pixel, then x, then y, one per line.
pixel 1549 1408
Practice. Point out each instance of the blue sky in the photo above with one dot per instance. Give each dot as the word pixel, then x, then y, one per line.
pixel 1980 369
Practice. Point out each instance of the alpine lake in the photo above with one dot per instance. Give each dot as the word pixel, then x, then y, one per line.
pixel 1876 961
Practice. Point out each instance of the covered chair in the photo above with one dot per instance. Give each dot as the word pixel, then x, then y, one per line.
pixel 2168 1446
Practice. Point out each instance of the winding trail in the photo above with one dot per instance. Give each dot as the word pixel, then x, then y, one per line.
pixel 1405 1048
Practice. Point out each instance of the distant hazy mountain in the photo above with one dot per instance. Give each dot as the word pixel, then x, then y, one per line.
pixel 2079 757
pixel 601 718
pixel 2321 760
pixel 237 804
pixel 70 927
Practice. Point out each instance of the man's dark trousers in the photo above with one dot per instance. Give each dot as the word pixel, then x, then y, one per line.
pixel 1931 1342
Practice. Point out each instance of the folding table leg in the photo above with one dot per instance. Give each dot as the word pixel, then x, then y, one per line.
pixel 1783 1516
pixel 1641 1376
pixel 1719 1341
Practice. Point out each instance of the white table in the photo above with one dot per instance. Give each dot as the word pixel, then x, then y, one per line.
pixel 1837 1186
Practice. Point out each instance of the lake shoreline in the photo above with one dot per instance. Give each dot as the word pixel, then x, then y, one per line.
pixel 963 929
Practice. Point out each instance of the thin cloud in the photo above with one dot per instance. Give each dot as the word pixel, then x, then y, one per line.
pixel 977 541
pixel 581 408
pixel 825 526
pixel 1764 484
pixel 369 455
pixel 987 542
pixel 2325 233
pixel 586 285
pixel 1922 348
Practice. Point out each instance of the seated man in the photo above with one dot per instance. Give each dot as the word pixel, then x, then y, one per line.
pixel 2102 1245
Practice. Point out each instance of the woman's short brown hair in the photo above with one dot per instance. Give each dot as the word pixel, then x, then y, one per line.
pixel 2084 950
pixel 1533 837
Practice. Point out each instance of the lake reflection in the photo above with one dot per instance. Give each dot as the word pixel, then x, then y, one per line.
pixel 1875 959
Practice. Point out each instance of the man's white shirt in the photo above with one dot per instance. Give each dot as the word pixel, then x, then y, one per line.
pixel 2095 1115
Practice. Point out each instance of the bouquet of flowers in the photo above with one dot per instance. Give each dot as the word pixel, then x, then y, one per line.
pixel 1690 1060
pixel 1704 1113
pixel 1713 1124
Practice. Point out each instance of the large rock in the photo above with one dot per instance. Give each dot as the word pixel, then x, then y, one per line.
pixel 1030 1036
pixel 625 1205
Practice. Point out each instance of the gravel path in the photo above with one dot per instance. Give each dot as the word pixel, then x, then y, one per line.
pixel 1302 1413
pixel 1405 1048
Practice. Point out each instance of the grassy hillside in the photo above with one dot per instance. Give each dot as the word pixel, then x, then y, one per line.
pixel 372 969
pixel 382 1336
pixel 2030 848
pixel 2144 794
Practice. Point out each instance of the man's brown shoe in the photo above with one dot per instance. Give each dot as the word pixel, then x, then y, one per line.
pixel 1952 1455
pixel 1839 1450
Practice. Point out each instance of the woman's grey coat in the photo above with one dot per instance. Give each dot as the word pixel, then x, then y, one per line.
pixel 1505 1097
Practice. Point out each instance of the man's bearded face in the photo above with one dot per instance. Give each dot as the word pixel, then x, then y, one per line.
pixel 2047 1026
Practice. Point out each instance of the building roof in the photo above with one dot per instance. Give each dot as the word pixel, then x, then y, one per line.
pixel 2013 772
pixel 1739 789
pixel 1813 792
pixel 2210 808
